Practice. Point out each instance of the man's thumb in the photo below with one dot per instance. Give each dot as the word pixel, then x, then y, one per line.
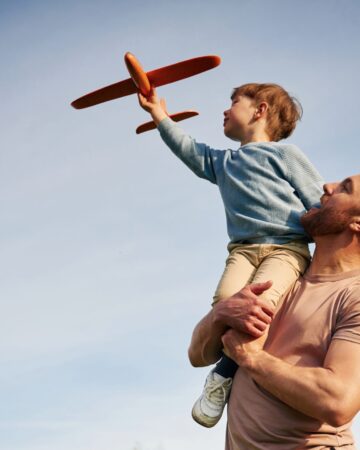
pixel 259 288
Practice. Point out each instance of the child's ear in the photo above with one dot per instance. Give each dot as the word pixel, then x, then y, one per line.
pixel 261 110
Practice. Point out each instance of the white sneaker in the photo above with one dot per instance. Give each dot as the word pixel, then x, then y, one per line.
pixel 209 407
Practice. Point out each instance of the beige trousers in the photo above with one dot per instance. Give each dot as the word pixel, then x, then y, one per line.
pixel 257 263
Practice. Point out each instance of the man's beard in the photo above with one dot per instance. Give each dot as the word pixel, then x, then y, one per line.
pixel 326 221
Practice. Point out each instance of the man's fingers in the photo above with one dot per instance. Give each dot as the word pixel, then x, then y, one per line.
pixel 231 339
pixel 264 318
pixel 259 288
pixel 265 309
pixel 259 325
pixel 255 331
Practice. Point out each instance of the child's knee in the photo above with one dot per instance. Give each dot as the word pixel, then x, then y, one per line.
pixel 221 294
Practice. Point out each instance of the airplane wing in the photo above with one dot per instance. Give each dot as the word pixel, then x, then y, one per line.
pixel 111 92
pixel 181 70
pixel 157 77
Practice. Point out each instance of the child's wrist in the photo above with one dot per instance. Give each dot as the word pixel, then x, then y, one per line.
pixel 158 114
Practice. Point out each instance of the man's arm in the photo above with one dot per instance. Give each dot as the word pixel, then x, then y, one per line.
pixel 244 311
pixel 205 347
pixel 330 393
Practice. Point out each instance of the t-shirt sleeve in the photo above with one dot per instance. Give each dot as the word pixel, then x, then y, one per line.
pixel 348 323
pixel 200 158
pixel 303 176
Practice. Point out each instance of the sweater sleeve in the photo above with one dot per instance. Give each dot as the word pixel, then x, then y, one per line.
pixel 200 158
pixel 303 176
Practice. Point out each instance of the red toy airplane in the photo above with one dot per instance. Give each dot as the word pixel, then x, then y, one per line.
pixel 143 82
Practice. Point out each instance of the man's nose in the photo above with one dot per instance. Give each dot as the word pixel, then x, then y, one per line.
pixel 329 188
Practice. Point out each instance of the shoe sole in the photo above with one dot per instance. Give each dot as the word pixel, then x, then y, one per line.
pixel 202 423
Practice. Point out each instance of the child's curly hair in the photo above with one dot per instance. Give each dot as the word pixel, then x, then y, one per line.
pixel 284 111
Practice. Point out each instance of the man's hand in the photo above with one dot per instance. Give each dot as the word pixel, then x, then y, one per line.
pixel 241 347
pixel 245 311
pixel 153 105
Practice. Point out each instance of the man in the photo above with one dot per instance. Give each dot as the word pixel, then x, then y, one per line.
pixel 303 388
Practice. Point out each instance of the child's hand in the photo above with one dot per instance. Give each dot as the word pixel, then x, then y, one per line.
pixel 150 102
pixel 153 105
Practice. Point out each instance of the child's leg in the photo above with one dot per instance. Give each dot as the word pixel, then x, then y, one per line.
pixel 240 268
pixel 283 264
pixel 226 367
pixel 239 271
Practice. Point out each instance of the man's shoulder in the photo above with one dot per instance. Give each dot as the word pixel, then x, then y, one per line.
pixel 352 290
pixel 345 286
pixel 347 312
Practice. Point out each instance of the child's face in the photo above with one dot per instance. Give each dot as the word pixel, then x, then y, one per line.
pixel 239 118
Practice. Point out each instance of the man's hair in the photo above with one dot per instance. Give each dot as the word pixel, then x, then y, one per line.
pixel 283 113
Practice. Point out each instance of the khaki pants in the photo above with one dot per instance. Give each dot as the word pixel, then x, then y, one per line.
pixel 257 263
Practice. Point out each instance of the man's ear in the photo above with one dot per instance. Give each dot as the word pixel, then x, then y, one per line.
pixel 355 224
pixel 261 110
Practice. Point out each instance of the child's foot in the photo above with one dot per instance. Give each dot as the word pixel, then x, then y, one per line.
pixel 209 407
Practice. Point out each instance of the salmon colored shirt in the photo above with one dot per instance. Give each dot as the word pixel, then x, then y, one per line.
pixel 317 310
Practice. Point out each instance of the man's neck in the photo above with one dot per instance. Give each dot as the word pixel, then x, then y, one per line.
pixel 335 254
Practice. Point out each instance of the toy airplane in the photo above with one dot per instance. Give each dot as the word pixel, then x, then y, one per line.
pixel 143 82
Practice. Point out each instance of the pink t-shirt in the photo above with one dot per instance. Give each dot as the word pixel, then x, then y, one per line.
pixel 317 310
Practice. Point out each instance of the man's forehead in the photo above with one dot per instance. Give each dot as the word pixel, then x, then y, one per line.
pixel 356 185
pixel 353 179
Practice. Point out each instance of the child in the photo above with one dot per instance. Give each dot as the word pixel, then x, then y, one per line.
pixel 265 187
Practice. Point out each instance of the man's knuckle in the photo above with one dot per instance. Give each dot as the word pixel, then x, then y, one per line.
pixel 257 310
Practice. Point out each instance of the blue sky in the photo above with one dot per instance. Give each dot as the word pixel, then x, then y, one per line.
pixel 110 248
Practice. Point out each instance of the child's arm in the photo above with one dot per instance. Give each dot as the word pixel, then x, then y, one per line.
pixel 200 158
pixel 154 106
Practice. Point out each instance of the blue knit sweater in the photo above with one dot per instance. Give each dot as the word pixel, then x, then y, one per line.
pixel 265 186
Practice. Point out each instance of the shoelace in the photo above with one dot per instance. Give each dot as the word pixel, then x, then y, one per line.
pixel 216 392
